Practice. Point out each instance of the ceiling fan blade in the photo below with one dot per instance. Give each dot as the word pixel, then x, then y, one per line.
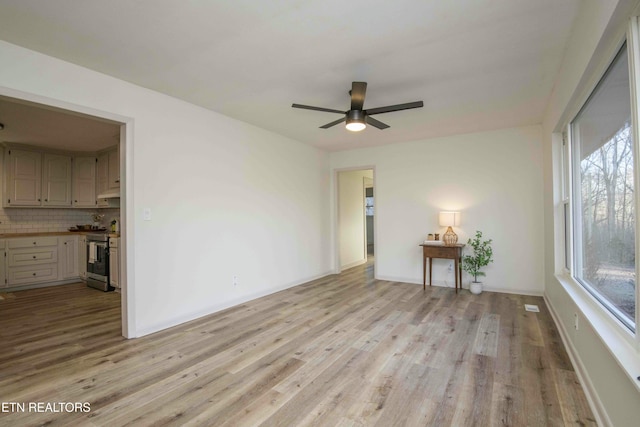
pixel 358 91
pixel 328 125
pixel 308 107
pixel 398 107
pixel 376 123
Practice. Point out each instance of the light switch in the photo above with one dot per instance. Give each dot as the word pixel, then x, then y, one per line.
pixel 146 214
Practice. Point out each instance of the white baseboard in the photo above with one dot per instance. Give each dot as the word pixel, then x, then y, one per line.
pixel 42 285
pixel 399 279
pixel 450 284
pixel 178 320
pixel 353 264
pixel 513 291
pixel 599 412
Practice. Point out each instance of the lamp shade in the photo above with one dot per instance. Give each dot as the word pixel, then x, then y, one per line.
pixel 449 219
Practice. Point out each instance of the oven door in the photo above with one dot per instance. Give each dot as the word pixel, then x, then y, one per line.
pixel 97 259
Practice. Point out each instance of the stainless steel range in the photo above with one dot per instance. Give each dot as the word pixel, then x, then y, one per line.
pixel 98 262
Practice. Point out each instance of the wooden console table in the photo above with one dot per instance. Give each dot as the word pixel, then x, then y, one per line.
pixel 453 252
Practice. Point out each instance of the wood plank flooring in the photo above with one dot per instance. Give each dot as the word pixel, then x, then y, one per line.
pixel 345 350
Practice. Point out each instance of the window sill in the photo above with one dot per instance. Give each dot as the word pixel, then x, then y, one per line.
pixel 622 344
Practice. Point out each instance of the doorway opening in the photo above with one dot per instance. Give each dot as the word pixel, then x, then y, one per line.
pixel 355 217
pixel 77 135
pixel 369 213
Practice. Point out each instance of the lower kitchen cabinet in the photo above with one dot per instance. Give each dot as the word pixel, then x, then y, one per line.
pixel 32 260
pixel 54 259
pixel 82 257
pixel 3 263
pixel 69 257
pixel 32 274
pixel 114 262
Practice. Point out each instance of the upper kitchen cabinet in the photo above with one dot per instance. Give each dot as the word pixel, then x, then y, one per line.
pixel 56 180
pixel 84 182
pixel 23 178
pixel 114 168
pixel 108 178
pixel 36 179
pixel 102 173
pixel 108 170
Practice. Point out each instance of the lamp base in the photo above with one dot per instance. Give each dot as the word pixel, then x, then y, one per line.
pixel 449 238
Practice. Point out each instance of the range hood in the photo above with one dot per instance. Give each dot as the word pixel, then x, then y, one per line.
pixel 113 193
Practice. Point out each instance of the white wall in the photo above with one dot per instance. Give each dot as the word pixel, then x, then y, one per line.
pixel 351 217
pixel 493 178
pixel 226 197
pixel 612 392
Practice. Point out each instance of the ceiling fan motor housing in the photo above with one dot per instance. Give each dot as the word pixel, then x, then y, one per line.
pixel 355 116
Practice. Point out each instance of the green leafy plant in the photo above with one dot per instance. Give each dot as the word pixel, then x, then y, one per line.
pixel 481 257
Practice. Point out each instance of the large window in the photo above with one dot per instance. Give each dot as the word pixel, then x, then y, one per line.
pixel 604 214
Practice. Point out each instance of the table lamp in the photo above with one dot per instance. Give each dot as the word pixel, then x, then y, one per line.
pixel 449 219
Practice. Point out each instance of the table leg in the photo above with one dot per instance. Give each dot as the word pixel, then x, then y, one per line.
pixel 424 272
pixel 430 269
pixel 457 266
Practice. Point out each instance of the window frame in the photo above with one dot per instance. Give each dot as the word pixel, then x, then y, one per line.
pixel 575 239
pixel 623 344
pixel 565 197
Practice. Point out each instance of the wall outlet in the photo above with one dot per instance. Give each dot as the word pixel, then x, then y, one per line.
pixel 235 280
pixel 576 324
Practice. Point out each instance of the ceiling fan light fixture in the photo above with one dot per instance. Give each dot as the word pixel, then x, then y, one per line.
pixel 355 120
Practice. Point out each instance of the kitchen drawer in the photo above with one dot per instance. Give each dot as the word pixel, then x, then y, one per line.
pixel 36 274
pixel 32 256
pixel 33 242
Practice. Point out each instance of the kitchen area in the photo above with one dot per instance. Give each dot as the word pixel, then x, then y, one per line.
pixel 60 212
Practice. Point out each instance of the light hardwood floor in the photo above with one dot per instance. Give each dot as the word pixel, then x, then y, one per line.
pixel 344 350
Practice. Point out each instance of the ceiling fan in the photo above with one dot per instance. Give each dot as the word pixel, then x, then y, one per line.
pixel 357 118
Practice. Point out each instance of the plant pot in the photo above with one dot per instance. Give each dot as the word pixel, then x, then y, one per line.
pixel 475 288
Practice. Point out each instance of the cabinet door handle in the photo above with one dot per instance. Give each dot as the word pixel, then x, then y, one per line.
pixel 46 200
pixel 34 274
pixel 34 257
pixel 34 243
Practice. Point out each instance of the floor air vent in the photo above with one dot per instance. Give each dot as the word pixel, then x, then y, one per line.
pixel 531 307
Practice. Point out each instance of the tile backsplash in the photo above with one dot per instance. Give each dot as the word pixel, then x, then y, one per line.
pixel 24 220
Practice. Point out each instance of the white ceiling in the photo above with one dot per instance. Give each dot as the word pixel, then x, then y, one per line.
pixel 476 64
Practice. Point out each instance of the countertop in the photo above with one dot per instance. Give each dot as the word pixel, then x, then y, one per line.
pixel 55 233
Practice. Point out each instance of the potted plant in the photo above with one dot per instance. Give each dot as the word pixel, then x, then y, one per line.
pixel 481 257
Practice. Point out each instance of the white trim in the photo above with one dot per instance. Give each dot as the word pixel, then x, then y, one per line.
pixel 175 321
pixel 633 52
pixel 528 292
pixel 598 409
pixel 335 220
pixel 617 338
pixel 126 184
pixel 401 280
pixel 353 264
pixel 41 285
